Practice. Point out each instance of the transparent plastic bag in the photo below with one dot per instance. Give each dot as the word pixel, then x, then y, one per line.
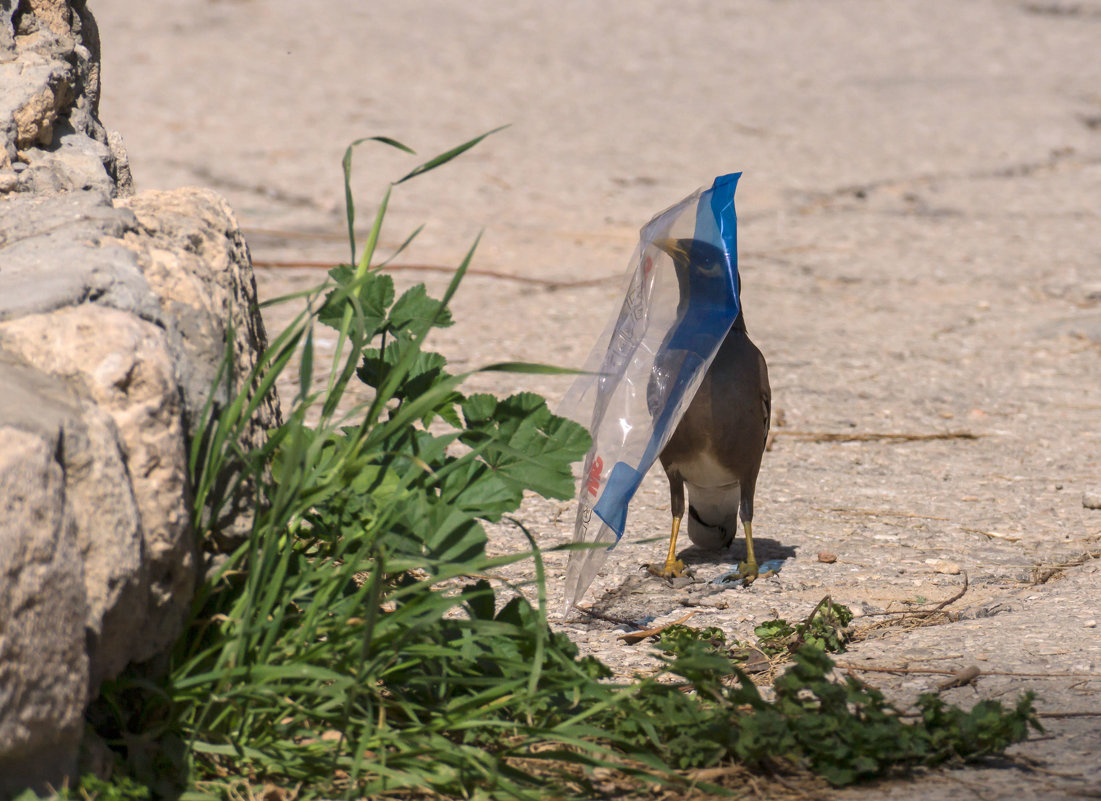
pixel 646 367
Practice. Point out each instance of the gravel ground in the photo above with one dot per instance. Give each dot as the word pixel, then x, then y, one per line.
pixel 919 233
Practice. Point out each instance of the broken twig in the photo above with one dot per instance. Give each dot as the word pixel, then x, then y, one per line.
pixel 924 612
pixel 437 268
pixel 618 621
pixel 939 672
pixel 960 678
pixel 632 637
pixel 868 436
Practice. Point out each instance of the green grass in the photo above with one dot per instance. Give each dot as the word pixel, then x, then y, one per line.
pixel 352 648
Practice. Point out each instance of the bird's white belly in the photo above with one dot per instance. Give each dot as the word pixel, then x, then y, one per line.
pixel 703 470
pixel 716 506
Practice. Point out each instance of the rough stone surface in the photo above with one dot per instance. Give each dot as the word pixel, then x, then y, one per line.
pixel 43 237
pixel 124 366
pixel 49 97
pixel 114 312
pixel 43 663
pixel 191 251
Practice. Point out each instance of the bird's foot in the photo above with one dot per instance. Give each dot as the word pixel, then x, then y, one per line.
pixel 747 571
pixel 671 569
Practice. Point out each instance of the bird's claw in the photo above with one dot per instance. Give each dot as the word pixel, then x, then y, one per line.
pixel 747 571
pixel 675 569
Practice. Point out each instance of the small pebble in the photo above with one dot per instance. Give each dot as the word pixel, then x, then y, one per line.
pixel 946 568
pixel 1090 624
pixel 1091 499
pixel 827 557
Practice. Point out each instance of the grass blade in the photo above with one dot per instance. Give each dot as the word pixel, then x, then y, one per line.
pixel 445 157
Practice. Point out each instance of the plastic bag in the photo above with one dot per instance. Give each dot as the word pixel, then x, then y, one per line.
pixel 651 359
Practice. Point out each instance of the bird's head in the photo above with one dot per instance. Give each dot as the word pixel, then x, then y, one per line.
pixel 700 266
pixel 695 256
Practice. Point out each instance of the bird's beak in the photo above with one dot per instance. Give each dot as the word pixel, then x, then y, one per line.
pixel 672 247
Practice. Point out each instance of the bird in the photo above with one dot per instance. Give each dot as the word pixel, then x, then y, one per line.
pixel 716 448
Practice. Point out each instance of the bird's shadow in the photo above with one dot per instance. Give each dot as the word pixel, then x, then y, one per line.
pixel 764 549
pixel 641 598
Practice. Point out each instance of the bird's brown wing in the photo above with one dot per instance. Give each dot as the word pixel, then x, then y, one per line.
pixel 766 395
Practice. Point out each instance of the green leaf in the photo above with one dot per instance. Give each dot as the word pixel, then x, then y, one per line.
pixel 478 490
pixel 526 445
pixel 425 371
pixel 305 369
pixel 373 292
pixel 678 638
pixel 446 156
pixel 346 165
pixel 415 311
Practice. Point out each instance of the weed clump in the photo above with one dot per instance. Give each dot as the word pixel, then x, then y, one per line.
pixel 826 628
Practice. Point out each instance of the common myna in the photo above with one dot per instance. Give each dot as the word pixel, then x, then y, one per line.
pixel 717 446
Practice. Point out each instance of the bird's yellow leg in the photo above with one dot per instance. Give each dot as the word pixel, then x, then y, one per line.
pixel 748 569
pixel 673 567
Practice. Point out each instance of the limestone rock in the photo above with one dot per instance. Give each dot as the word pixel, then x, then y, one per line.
pixel 124 366
pixel 54 256
pixel 43 664
pixel 49 89
pixel 114 316
pixel 190 250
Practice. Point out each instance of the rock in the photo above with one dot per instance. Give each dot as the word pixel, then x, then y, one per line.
pixel 190 250
pixel 826 557
pixel 943 567
pixel 114 314
pixel 43 663
pixel 124 366
pixel 1091 499
pixel 60 251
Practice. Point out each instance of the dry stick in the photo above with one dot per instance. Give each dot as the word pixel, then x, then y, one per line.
pixel 954 598
pixel 1028 763
pixel 436 268
pixel 832 436
pixel 619 621
pixel 926 612
pixel 960 678
pixel 710 774
pixel 1069 714
pixel 877 513
pixel 1042 574
pixel 994 535
pixel 825 602
pixel 632 637
pixel 936 672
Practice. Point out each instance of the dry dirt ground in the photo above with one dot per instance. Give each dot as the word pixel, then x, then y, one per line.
pixel 920 232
